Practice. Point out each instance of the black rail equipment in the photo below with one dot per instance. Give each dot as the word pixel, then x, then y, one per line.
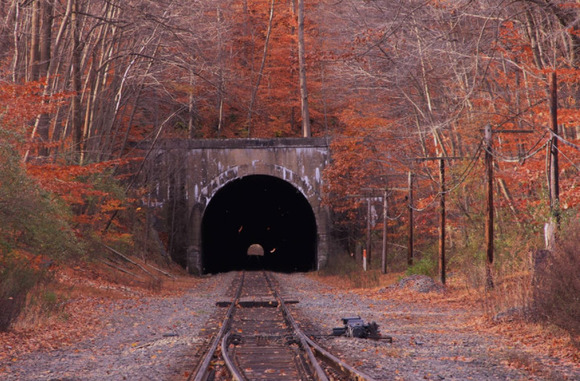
pixel 356 327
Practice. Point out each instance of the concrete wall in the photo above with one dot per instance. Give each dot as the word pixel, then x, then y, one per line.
pixel 186 174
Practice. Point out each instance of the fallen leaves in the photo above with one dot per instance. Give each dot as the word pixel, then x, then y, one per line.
pixel 89 301
pixel 458 359
pixel 462 311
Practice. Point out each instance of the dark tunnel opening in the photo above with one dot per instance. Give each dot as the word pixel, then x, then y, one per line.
pixel 263 210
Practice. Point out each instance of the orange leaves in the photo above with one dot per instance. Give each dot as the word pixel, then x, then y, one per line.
pixel 112 206
pixel 84 188
pixel 64 180
pixel 20 103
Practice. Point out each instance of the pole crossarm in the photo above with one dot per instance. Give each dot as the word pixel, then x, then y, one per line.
pixel 510 131
pixel 428 158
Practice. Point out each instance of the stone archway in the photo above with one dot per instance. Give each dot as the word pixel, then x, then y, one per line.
pixel 190 173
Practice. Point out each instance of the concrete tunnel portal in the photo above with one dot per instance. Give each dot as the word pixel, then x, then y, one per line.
pixel 263 210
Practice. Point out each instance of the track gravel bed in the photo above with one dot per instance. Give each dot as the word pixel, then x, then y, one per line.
pixel 429 342
pixel 148 339
pixel 157 338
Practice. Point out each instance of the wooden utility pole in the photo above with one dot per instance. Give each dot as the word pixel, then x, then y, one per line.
pixel 384 253
pixel 411 222
pixel 489 247
pixel 442 190
pixel 385 223
pixel 442 211
pixel 369 231
pixel 554 175
pixel 489 206
pixel 369 199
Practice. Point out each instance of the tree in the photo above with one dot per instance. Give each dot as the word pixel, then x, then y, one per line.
pixel 302 72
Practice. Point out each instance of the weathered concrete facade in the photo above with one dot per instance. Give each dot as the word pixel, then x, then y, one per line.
pixel 187 173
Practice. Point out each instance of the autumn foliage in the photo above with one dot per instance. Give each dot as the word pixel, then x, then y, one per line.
pixel 392 84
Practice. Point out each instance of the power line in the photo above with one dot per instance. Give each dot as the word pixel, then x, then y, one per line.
pixel 567 158
pixel 462 177
pixel 518 159
pixel 568 143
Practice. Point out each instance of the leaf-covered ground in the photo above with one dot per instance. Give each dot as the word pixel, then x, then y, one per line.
pixel 436 335
pixel 107 331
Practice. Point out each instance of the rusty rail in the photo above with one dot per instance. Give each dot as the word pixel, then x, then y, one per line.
pixel 323 354
pixel 274 342
pixel 202 372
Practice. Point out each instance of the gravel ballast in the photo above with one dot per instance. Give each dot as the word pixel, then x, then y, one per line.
pixel 153 338
pixel 428 342
pixel 156 338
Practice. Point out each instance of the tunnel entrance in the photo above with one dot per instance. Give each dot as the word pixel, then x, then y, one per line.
pixel 258 210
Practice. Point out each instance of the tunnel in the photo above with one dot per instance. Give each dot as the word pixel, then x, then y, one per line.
pixel 258 210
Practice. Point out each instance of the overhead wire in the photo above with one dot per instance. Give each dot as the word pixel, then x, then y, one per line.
pixel 566 142
pixel 463 177
pixel 468 170
pixel 517 159
pixel 481 147
pixel 395 218
pixel 567 158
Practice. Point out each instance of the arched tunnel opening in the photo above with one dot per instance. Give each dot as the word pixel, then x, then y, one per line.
pixel 258 210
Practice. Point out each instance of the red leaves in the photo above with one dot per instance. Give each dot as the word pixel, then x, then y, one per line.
pixel 82 188
pixel 20 103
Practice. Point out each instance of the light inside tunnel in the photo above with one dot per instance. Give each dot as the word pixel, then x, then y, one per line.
pixel 263 210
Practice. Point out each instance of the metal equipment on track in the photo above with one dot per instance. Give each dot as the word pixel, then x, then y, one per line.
pixel 261 341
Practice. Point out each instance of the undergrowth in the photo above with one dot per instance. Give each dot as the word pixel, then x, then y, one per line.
pixel 556 291
pixel 426 265
pixel 345 267
pixel 35 233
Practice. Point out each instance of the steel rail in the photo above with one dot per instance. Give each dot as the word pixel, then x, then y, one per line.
pixel 328 357
pixel 234 371
pixel 315 353
pixel 201 373
pixel 319 372
pixel 338 363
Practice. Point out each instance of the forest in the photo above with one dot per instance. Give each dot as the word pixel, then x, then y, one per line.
pixel 458 100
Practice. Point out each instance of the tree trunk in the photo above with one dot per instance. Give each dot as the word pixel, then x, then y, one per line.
pixel 261 72
pixel 33 55
pixel 45 37
pixel 76 118
pixel 302 73
pixel 39 64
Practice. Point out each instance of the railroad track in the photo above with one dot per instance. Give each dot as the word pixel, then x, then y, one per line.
pixel 259 340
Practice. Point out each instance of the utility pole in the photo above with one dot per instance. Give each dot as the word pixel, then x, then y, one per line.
pixel 369 199
pixel 411 222
pixel 554 175
pixel 384 198
pixel 442 266
pixel 368 231
pixel 384 253
pixel 442 211
pixel 489 247
pixel 489 206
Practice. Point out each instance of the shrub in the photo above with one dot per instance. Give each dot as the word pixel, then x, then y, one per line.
pixel 32 218
pixel 16 280
pixel 427 265
pixel 34 233
pixel 557 285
